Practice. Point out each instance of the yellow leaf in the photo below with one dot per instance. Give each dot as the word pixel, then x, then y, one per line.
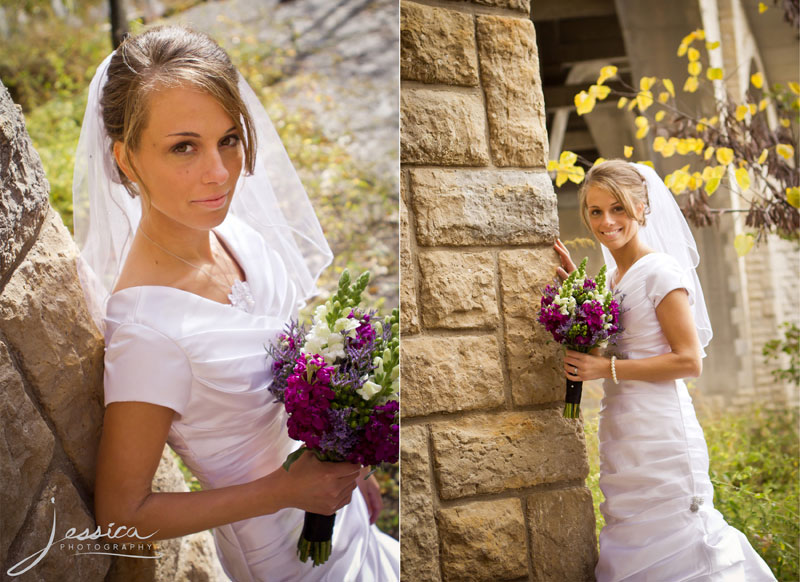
pixel 795 87
pixel 743 243
pixel 689 38
pixel 660 115
pixel 793 196
pixel 712 185
pixel 659 143
pixel 694 54
pixel 598 161
pixel 647 163
pixel 757 79
pixel 762 105
pixel 621 103
pixel 561 177
pixel 663 97
pixel 741 112
pixel 708 173
pixel 599 91
pixel 576 174
pixel 568 158
pixel 695 181
pixel 785 150
pixel 742 178
pixel 694 68
pixel 606 73
pixel 709 153
pixel 700 127
pixel 724 156
pixel 646 82
pixel 628 151
pixel 691 85
pixel 763 157
pixel 684 146
pixel 669 149
pixel 552 165
pixel 643 126
pixel 632 104
pixel 700 33
pixel 584 102
pixel 753 108
pixel 669 86
pixel 785 122
pixel 683 48
pixel 718 172
pixel 712 45
pixel 762 8
pixel 644 100
pixel 715 74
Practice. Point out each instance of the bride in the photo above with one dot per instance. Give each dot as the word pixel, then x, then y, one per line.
pixel 661 524
pixel 198 245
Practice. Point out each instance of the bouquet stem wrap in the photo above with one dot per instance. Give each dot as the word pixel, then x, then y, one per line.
pixel 572 401
pixel 315 541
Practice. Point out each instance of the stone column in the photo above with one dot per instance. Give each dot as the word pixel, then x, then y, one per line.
pixel 492 475
pixel 51 392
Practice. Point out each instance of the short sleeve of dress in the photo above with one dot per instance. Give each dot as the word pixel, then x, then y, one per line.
pixel 665 275
pixel 143 365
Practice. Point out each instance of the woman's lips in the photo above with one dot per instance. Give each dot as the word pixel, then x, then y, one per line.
pixel 212 203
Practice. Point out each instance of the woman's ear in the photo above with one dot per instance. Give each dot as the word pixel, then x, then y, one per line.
pixel 120 154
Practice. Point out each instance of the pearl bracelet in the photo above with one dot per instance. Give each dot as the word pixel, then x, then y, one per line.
pixel 614 369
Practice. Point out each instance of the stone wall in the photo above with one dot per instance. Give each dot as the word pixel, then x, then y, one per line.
pixel 51 393
pixel 492 474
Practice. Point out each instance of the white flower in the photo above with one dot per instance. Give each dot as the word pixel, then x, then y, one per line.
pixel 369 389
pixel 346 324
pixel 321 312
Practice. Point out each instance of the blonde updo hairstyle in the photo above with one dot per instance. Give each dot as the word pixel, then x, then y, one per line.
pixel 620 179
pixel 161 58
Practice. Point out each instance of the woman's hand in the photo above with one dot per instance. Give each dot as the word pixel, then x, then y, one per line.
pixel 567 266
pixel 372 494
pixel 579 367
pixel 320 487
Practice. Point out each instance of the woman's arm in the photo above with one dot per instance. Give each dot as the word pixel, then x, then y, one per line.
pixel 684 361
pixel 134 434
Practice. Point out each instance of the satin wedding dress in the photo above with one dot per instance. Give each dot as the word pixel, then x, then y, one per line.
pixel 207 361
pixel 661 525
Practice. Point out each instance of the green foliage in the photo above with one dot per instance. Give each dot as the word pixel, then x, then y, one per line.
pixel 754 469
pixel 789 344
pixel 389 518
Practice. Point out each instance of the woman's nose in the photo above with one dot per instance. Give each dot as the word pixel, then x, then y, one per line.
pixel 215 172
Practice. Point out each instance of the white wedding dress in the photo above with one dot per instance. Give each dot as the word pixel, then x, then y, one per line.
pixel 661 525
pixel 207 361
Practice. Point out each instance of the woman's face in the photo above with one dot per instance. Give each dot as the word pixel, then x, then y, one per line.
pixel 189 159
pixel 608 219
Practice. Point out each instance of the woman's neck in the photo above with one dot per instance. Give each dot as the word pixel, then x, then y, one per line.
pixel 190 244
pixel 628 254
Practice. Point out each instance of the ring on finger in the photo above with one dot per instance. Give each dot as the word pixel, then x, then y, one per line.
pixel 574 370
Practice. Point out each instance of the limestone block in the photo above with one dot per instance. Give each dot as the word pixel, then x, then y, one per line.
pixel 446 374
pixel 510 79
pixel 60 563
pixel 562 534
pixel 419 542
pixel 23 186
pixel 437 45
pixel 535 361
pixel 483 207
pixel 484 540
pixel 60 351
pixel 458 289
pixel 519 5
pixel 409 315
pixel 26 447
pixel 506 451
pixel 442 128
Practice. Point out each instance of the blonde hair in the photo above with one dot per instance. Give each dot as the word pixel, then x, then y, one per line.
pixel 165 57
pixel 620 179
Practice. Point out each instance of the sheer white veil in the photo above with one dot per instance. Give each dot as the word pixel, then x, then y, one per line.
pixel 272 201
pixel 668 232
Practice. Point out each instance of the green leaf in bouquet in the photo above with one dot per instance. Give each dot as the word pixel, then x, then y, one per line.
pixel 292 457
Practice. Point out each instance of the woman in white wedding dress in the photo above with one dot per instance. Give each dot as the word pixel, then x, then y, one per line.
pixel 198 246
pixel 661 525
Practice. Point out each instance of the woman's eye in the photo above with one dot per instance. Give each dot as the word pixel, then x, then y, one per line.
pixel 595 213
pixel 182 148
pixel 230 140
pixel 619 209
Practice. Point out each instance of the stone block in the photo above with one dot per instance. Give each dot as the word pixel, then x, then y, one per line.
pixel 419 542
pixel 510 79
pixel 59 349
pixel 483 207
pixel 26 447
pixel 442 128
pixel 458 289
pixel 59 501
pixel 534 360
pixel 24 190
pixel 447 374
pixel 507 451
pixel 518 5
pixel 409 314
pixel 484 540
pixel 437 45
pixel 562 530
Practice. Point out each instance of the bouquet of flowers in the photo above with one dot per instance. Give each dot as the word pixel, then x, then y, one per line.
pixel 339 384
pixel 581 314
